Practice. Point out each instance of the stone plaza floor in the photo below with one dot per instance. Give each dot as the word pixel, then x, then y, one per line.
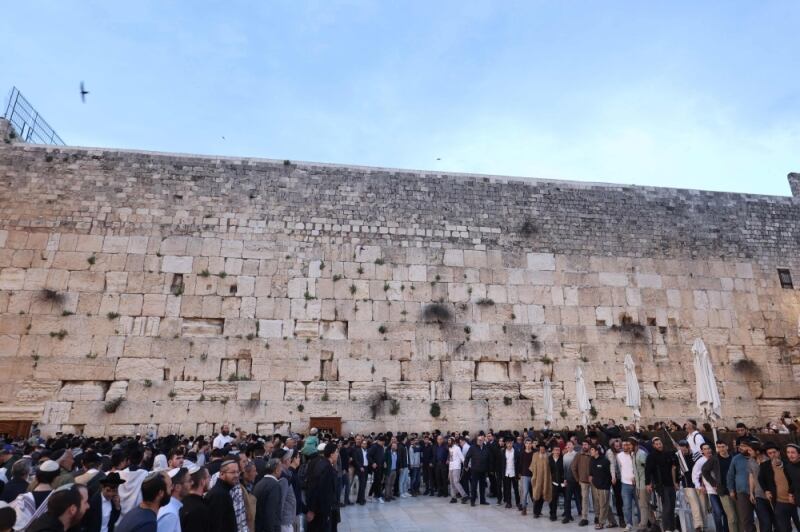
pixel 436 513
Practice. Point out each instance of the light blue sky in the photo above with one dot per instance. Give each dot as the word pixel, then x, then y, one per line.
pixel 680 93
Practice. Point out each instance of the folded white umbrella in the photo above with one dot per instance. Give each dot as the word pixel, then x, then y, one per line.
pixel 584 406
pixel 548 401
pixel 633 397
pixel 708 400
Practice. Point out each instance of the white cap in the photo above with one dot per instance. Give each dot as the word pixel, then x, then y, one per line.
pixel 49 466
pixel 321 447
pixel 174 471
pixel 192 468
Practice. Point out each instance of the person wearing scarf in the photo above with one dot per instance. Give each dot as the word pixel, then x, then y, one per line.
pixel 541 480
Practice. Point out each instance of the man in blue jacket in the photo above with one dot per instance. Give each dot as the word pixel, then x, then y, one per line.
pixel 738 484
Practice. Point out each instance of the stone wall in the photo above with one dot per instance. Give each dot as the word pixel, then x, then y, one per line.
pixel 199 290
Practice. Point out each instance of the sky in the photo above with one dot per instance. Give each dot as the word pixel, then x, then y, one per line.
pixel 682 93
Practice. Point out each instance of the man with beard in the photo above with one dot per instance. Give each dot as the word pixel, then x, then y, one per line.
pixel 168 519
pixel 220 499
pixel 65 509
pixel 660 477
pixel 581 469
pixel 223 438
pixel 155 494
pixel 194 514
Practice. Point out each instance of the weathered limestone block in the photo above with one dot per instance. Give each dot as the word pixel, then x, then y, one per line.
pixel 328 391
pixel 216 390
pixel 294 391
pixel 270 329
pixel 147 390
pixel 248 391
pixel 36 391
pixel 82 391
pixel 139 369
pixel 272 390
pixel 421 370
pixel 56 412
pixel 360 391
pixel 333 330
pixel 116 390
pixel 409 390
pixel 441 391
pixel 355 370
pixel 541 261
pixel 187 390
pixel 239 327
pixel 173 264
pixel 76 369
pixel 494 390
pixel 306 328
pixel 286 370
pixel 461 391
pixel 387 370
pixel 492 371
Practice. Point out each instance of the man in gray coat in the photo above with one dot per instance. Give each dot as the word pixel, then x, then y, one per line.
pixel 268 499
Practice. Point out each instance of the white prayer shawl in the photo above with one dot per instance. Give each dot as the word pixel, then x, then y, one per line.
pixel 25 506
pixel 160 463
pixel 130 493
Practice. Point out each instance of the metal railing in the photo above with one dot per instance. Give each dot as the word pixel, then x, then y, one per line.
pixel 28 124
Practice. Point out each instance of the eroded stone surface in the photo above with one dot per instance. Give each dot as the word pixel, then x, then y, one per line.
pixel 237 306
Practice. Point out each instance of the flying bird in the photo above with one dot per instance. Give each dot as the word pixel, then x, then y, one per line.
pixel 438 158
pixel 84 92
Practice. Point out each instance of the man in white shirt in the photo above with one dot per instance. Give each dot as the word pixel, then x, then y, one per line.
pixel 168 516
pixel 104 506
pixel 455 461
pixel 627 476
pixel 223 438
pixel 510 481
pixel 693 438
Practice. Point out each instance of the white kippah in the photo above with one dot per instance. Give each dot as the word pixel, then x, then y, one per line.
pixel 49 466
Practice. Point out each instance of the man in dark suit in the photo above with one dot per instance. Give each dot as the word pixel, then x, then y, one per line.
pixel 323 510
pixel 194 513
pixel 104 508
pixel 269 500
pixel 377 460
pixel 477 462
pixel 360 461
pixel 220 503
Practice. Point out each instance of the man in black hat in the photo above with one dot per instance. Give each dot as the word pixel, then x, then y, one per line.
pixel 104 506
pixel 322 514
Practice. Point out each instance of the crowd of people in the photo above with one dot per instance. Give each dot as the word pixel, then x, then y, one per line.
pixel 237 482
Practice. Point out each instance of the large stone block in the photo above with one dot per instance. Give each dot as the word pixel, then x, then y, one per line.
pixel 421 370
pixel 82 391
pixel 355 370
pixel 76 369
pixel 409 390
pixel 494 390
pixel 139 369
pixel 492 371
